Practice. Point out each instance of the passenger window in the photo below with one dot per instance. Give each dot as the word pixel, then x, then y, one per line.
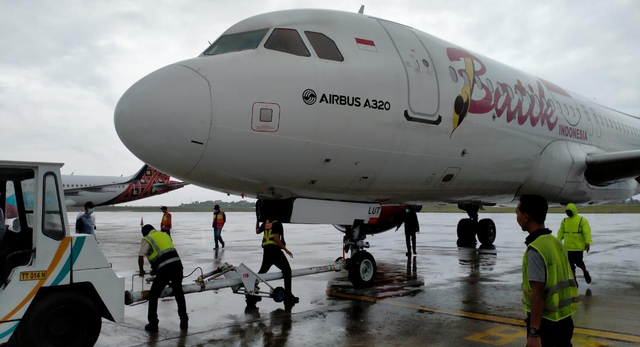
pixel 52 225
pixel 236 42
pixel 325 47
pixel 287 41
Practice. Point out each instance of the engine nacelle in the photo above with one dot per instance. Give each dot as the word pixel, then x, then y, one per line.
pixel 559 176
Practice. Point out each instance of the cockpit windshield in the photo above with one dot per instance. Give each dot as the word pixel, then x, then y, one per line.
pixel 287 41
pixel 236 42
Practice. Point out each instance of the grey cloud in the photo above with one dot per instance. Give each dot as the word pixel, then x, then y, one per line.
pixel 65 63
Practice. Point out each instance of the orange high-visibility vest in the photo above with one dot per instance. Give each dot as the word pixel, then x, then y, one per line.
pixel 218 220
pixel 166 221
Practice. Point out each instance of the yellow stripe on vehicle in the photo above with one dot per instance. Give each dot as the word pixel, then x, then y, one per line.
pixel 54 262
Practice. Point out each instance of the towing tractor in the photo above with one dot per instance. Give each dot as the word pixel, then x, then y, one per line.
pixel 55 285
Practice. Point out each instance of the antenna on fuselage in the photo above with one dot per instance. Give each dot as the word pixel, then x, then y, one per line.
pixel 209 42
pixel 361 11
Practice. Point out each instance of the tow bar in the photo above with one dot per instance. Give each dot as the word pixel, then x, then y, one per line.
pixel 240 279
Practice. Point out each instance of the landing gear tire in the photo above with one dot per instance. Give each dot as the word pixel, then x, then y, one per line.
pixel 278 294
pixel 362 269
pixel 466 233
pixel 61 319
pixel 486 231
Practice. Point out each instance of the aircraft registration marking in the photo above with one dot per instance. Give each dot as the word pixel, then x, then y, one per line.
pixel 489 318
pixel 33 275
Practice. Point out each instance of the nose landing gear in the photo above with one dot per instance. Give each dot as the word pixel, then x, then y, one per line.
pixel 361 266
pixel 468 228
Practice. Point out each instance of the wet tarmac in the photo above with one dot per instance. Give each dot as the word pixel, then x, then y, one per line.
pixel 445 296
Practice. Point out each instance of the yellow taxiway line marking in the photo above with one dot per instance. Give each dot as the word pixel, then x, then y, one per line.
pixel 485 317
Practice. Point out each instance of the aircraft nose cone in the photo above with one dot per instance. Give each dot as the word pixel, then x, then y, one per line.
pixel 165 118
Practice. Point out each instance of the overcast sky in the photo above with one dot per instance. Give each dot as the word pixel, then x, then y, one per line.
pixel 65 64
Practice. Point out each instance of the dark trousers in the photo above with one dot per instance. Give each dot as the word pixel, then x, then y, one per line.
pixel 575 259
pixel 410 237
pixel 166 231
pixel 555 334
pixel 273 255
pixel 172 275
pixel 217 236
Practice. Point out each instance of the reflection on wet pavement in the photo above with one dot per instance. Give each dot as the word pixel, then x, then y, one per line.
pixel 446 295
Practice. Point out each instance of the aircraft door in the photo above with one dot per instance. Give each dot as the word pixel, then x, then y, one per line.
pixel 422 80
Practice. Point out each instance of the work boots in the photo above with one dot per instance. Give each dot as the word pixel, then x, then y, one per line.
pixel 151 327
pixel 587 277
pixel 291 299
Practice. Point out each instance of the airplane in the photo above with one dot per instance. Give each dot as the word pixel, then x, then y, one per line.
pixel 106 190
pixel 341 118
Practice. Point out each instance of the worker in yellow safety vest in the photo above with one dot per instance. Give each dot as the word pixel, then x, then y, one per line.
pixel 165 225
pixel 219 218
pixel 576 233
pixel 165 262
pixel 549 290
pixel 273 244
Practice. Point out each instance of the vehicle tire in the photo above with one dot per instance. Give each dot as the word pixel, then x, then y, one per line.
pixel 467 231
pixel 278 294
pixel 362 269
pixel 61 319
pixel 486 231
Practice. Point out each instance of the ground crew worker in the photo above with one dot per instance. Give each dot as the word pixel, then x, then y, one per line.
pixel 576 232
pixel 167 267
pixel 85 224
pixel 165 225
pixel 549 290
pixel 273 244
pixel 219 218
pixel 411 227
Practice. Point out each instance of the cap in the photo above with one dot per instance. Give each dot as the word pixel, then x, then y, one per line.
pixel 163 207
pixel 216 207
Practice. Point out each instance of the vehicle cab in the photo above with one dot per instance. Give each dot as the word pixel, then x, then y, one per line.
pixel 55 285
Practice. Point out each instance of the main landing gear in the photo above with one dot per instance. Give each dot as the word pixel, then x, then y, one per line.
pixel 361 266
pixel 468 228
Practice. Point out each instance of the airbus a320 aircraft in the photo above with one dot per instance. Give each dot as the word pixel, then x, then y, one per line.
pixel 105 190
pixel 342 118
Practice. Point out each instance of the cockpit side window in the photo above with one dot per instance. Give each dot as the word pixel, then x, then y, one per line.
pixel 287 41
pixel 236 42
pixel 324 46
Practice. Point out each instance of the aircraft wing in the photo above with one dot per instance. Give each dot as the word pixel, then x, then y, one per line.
pixel 606 168
pixel 164 186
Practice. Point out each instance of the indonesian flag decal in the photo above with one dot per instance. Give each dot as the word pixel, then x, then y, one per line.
pixel 366 45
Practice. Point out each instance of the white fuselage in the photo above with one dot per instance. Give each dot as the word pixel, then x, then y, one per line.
pixel 381 128
pixel 117 186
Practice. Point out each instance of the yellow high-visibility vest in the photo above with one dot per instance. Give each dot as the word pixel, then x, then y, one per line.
pixel 163 252
pixel 268 237
pixel 575 231
pixel 561 289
